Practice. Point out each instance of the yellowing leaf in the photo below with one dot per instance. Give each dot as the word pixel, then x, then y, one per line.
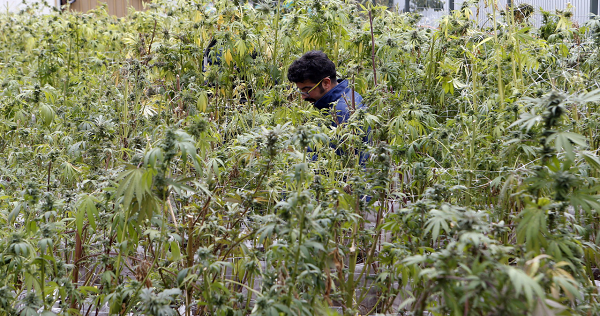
pixel 197 16
pixel 202 101
pixel 228 57
pixel 30 43
pixel 241 47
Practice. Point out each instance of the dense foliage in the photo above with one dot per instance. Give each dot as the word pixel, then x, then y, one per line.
pixel 132 180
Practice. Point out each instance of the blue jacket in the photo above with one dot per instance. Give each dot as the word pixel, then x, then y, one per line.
pixel 343 95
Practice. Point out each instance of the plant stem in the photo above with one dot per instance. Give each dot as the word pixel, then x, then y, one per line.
pixel 49 172
pixel 277 18
pixel 499 50
pixel 163 233
pixel 43 281
pixel 373 49
pixel 66 87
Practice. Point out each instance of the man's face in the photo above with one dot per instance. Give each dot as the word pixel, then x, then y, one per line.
pixel 313 91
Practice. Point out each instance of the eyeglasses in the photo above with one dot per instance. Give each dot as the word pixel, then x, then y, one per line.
pixel 307 93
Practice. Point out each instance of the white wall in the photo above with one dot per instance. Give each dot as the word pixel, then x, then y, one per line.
pixel 16 5
pixel 581 11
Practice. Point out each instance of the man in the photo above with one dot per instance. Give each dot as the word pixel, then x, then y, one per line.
pixel 315 77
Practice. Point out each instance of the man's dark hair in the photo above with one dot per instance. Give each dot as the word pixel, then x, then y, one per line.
pixel 313 66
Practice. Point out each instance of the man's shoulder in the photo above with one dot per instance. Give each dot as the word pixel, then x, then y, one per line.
pixel 347 100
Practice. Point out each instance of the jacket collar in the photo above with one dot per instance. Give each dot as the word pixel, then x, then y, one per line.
pixel 332 95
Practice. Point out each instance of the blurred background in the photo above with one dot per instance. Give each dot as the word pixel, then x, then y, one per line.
pixel 431 10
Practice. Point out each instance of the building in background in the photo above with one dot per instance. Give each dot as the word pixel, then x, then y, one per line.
pixel 433 10
pixel 115 7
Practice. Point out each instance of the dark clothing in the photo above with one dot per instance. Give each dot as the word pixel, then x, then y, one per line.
pixel 343 95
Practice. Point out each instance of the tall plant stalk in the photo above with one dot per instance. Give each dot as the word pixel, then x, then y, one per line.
pixel 499 49
pixel 373 48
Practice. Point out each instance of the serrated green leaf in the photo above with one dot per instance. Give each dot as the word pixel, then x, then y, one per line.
pixel 46 114
pixel 523 283
pixel 181 276
pixel 175 251
pixel 591 159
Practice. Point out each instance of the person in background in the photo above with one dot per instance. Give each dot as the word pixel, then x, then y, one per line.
pixel 315 77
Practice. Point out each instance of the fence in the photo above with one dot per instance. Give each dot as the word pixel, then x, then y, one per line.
pixel 433 10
